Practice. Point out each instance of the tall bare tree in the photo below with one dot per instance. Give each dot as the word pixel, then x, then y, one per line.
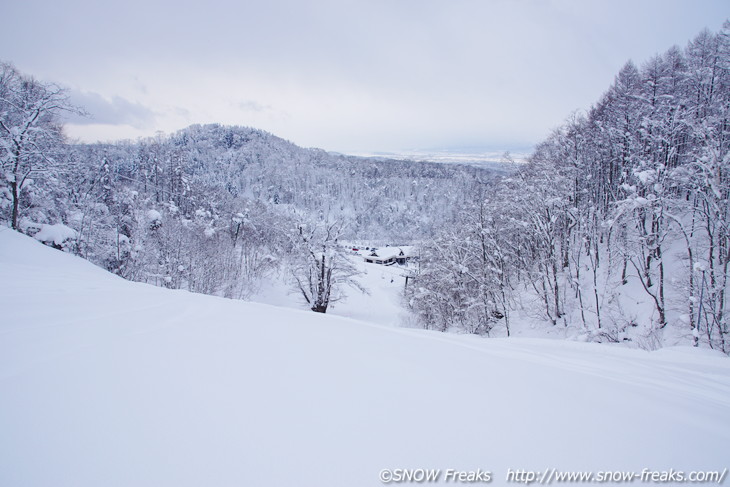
pixel 320 268
pixel 30 130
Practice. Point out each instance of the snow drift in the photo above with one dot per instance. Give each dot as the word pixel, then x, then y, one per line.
pixel 108 382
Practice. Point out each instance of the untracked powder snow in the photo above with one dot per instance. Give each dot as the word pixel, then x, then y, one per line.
pixel 105 382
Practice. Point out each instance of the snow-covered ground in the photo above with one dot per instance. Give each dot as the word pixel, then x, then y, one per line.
pixel 105 382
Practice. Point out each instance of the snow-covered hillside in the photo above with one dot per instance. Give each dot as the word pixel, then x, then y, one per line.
pixel 105 382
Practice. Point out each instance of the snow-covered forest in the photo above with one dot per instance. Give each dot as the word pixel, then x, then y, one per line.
pixel 615 230
pixel 618 225
pixel 214 209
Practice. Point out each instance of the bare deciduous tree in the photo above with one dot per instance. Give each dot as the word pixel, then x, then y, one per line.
pixel 30 132
pixel 320 268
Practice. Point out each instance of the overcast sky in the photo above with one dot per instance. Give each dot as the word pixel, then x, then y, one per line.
pixel 343 75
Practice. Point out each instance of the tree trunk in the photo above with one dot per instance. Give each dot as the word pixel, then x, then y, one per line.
pixel 14 191
pixel 320 308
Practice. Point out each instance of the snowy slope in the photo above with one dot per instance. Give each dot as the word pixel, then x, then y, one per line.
pixel 104 382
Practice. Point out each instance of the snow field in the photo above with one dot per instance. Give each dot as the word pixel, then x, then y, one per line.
pixel 107 382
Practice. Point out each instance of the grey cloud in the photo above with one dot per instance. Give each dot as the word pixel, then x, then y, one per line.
pixel 114 111
pixel 253 106
pixel 182 112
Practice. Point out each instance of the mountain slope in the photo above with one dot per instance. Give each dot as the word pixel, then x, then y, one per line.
pixel 108 382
